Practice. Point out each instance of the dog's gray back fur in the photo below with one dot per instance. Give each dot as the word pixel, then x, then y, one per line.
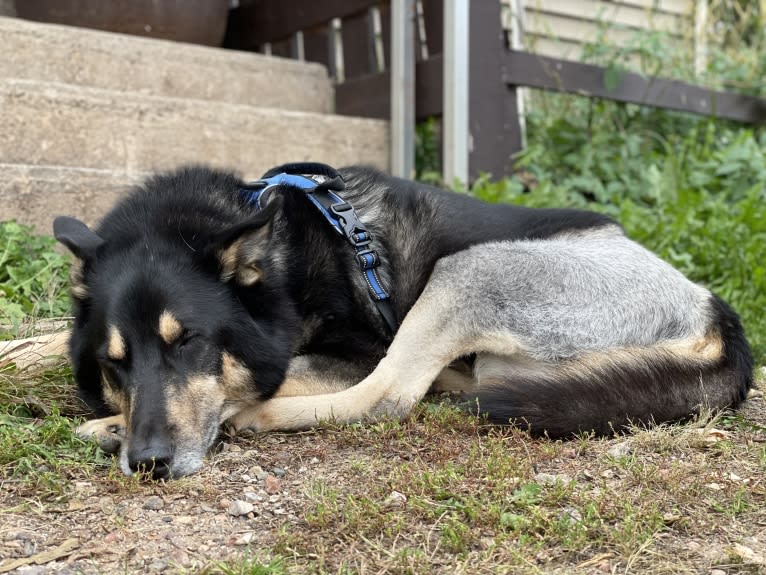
pixel 579 293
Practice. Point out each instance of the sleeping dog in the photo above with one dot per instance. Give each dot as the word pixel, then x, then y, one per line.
pixel 315 295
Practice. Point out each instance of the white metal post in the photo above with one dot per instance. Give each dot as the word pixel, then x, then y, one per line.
pixel 403 88
pixel 456 138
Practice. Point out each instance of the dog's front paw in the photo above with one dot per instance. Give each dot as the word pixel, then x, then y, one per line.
pixel 108 432
pixel 253 418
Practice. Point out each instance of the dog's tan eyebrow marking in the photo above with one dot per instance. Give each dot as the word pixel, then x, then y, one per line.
pixel 116 346
pixel 170 328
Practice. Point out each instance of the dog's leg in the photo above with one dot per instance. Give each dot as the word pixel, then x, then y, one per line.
pixel 438 329
pixel 109 432
pixel 320 374
pixel 451 380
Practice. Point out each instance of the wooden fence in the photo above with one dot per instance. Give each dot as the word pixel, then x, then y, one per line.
pixel 351 37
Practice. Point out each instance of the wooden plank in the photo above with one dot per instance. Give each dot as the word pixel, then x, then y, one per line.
pixel 385 27
pixel 493 115
pixel 316 45
pixel 270 20
pixel 679 7
pixel 566 50
pixel 553 47
pixel 525 69
pixel 574 30
pixel 283 49
pixel 602 11
pixel 433 14
pixel 358 46
pixel 369 96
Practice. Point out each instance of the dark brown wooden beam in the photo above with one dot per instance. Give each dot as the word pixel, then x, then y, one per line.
pixel 357 45
pixel 492 110
pixel 525 69
pixel 270 20
pixel 370 96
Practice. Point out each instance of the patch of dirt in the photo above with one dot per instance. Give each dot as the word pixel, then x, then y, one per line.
pixel 253 495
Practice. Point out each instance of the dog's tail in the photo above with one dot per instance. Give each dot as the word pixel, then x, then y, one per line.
pixel 607 392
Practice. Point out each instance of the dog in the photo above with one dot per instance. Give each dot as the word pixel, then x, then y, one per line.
pixel 313 295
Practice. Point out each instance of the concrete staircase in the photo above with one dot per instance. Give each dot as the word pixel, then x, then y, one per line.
pixel 85 114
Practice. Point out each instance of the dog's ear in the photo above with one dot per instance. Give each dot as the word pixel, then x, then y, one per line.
pixel 79 238
pixel 242 249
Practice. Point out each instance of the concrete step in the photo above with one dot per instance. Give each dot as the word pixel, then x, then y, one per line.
pixel 59 124
pixel 97 59
pixel 34 195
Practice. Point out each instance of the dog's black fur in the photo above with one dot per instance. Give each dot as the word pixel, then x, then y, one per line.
pixel 164 247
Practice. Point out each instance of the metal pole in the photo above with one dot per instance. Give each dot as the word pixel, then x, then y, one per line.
pixel 403 88
pixel 456 139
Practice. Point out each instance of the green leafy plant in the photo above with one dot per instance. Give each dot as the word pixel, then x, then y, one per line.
pixel 694 196
pixel 33 277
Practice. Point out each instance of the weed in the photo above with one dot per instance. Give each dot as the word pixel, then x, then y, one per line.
pixel 246 565
pixel 32 278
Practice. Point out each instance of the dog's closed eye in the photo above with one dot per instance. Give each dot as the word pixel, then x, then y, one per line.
pixel 187 337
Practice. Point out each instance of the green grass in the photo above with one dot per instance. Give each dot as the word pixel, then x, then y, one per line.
pixel 43 454
pixel 33 278
pixel 475 500
pixel 246 565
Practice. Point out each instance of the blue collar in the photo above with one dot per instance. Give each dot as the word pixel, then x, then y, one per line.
pixel 340 215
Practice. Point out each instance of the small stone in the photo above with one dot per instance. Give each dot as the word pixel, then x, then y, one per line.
pixel 754 393
pixel 33 570
pixel 239 507
pixel 180 557
pixel 258 472
pixel 246 478
pixel 717 572
pixel 184 519
pixel 551 478
pixel 395 499
pixel 245 538
pixel 572 514
pixel 670 518
pixel 252 497
pixel 107 505
pixel 620 449
pixel 232 448
pixel 167 519
pixel 154 503
pixel 158 565
pixel 273 485
pixel 278 471
pixel 314 461
pixel 748 555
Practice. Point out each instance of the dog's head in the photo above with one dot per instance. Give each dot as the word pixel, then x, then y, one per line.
pixel 174 337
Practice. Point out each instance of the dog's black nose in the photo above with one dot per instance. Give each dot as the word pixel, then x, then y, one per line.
pixel 151 463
